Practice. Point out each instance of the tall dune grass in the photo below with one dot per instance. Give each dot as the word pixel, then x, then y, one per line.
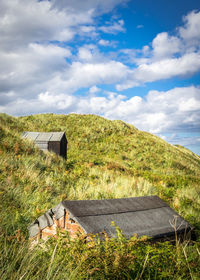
pixel 105 160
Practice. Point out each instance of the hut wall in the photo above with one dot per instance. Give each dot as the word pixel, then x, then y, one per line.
pixel 42 145
pixel 54 146
pixel 64 224
pixel 60 148
pixel 63 147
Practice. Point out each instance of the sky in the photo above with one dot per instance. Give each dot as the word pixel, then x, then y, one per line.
pixel 133 60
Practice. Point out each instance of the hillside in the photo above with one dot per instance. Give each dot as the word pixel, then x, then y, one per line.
pixel 106 159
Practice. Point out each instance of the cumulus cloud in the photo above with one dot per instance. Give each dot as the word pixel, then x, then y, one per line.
pixel 62 101
pixel 165 45
pixel 107 43
pixel 36 65
pixel 32 58
pixel 167 68
pixel 175 110
pixel 85 54
pixel 23 22
pixel 162 111
pixel 104 42
pixel 27 71
pixel 94 89
pixel 169 56
pixel 113 28
pixel 87 74
pixel 187 64
pixel 97 6
pixel 35 22
pixel 32 73
pixel 190 32
pixel 41 68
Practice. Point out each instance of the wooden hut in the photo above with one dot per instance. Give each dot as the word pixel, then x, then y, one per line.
pixel 49 141
pixel 147 215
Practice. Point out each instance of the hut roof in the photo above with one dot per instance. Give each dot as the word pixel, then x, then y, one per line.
pixel 148 215
pixel 43 136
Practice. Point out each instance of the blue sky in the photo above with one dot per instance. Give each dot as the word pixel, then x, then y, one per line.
pixel 134 60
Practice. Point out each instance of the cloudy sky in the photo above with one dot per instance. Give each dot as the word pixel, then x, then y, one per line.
pixel 134 60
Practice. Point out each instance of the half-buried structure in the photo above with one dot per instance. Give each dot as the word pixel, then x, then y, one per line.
pixel 147 215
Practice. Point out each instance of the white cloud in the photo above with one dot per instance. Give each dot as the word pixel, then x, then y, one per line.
pixel 61 101
pixel 162 111
pixel 26 71
pixel 23 22
pixel 91 54
pixel 36 66
pixel 49 51
pixel 87 28
pixel 36 21
pixel 191 104
pixel 165 45
pixel 107 43
pixel 113 28
pixel 129 83
pixel 158 112
pixel 87 74
pixel 167 68
pixel 187 64
pixel 104 42
pixel 85 54
pixel 97 6
pixel 97 105
pixel 30 64
pixel 170 56
pixel 57 76
pixel 39 72
pixel 94 89
pixel 191 30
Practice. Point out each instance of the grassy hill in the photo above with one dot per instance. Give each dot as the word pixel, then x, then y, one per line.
pixel 106 159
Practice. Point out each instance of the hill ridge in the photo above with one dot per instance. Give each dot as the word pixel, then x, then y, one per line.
pixel 106 159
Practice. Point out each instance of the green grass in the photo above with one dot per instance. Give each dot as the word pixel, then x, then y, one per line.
pixel 106 159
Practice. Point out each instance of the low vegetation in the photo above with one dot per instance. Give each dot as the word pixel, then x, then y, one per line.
pixel 106 159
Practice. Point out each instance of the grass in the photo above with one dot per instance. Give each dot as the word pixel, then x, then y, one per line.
pixel 119 258
pixel 106 159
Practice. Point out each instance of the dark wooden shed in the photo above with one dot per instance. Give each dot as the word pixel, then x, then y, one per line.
pixel 49 141
pixel 147 215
